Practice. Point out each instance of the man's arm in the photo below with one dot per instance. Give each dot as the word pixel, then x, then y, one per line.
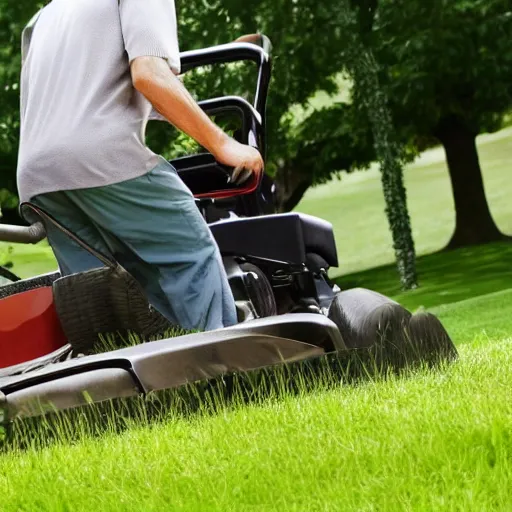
pixel 153 78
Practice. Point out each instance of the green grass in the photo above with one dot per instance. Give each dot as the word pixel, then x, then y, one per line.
pixel 427 441
pixel 355 205
pixel 480 320
pixel 444 277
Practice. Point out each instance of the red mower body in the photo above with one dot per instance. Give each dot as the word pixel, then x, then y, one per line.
pixel 29 327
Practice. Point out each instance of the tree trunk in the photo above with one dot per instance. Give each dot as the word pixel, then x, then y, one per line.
pixel 290 189
pixel 474 224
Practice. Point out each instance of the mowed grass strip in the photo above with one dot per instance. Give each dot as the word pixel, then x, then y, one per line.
pixel 479 320
pixel 431 440
pixel 444 277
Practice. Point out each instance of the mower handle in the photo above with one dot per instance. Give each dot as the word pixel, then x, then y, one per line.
pixel 22 234
pixel 257 39
pixel 235 52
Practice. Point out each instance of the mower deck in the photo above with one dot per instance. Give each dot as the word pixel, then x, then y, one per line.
pixel 168 364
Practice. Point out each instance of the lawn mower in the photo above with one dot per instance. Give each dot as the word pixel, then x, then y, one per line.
pixel 277 264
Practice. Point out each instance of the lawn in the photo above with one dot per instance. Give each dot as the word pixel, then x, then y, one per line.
pixel 355 205
pixel 28 260
pixel 427 440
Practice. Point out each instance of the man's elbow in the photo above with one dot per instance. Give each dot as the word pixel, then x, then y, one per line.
pixel 141 84
pixel 143 74
pixel 151 72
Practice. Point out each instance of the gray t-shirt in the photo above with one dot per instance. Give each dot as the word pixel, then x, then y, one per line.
pixel 82 121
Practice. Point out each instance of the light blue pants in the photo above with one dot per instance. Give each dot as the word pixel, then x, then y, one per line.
pixel 153 228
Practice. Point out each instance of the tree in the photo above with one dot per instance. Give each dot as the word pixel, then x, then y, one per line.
pixel 447 71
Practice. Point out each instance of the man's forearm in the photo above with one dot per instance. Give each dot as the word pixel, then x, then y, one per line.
pixel 153 78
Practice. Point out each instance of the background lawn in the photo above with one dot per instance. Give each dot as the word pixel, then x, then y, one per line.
pixel 355 205
pixel 430 440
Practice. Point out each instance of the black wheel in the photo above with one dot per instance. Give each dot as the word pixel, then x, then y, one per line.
pixel 369 320
pixel 430 340
pixel 7 277
pixel 260 291
pixel 366 318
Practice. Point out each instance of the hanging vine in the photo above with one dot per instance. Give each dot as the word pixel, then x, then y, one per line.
pixel 367 91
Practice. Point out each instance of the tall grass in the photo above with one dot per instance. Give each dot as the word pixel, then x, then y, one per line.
pixel 228 392
pixel 416 440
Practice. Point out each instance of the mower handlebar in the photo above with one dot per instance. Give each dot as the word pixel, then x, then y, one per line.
pixel 259 40
pixel 254 47
pixel 22 234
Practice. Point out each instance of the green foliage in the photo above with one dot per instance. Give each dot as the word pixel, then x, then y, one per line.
pixel 444 59
pixel 331 138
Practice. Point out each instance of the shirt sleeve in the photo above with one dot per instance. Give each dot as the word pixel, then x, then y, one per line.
pixel 26 37
pixel 150 29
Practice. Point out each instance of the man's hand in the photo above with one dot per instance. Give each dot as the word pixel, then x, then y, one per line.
pixel 153 78
pixel 249 38
pixel 246 160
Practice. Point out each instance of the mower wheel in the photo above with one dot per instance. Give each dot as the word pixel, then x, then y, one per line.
pixel 260 291
pixel 430 339
pixel 369 320
pixel 366 318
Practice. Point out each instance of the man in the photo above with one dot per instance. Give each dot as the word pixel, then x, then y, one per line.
pixel 92 72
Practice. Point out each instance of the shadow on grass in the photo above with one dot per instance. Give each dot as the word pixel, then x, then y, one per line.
pixel 445 277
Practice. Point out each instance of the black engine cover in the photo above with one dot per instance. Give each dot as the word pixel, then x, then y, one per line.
pixel 287 237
